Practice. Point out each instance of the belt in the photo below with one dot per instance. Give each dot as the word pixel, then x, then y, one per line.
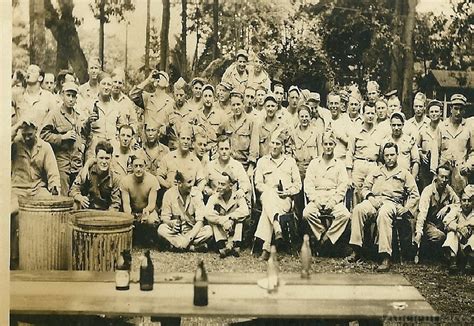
pixel 365 159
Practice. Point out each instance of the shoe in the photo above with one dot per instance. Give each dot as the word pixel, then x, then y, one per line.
pixel 384 266
pixel 265 255
pixel 224 253
pixel 278 236
pixel 353 258
pixel 235 252
pixel 202 247
pixel 453 268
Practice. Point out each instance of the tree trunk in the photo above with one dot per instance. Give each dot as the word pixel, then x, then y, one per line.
pixel 164 35
pixel 64 32
pixel 408 64
pixel 215 19
pixel 184 29
pixel 37 33
pixel 147 39
pixel 395 82
pixel 101 32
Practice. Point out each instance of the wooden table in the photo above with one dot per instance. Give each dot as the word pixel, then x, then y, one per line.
pixel 328 296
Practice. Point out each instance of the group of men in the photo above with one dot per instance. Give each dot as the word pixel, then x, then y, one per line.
pixel 193 168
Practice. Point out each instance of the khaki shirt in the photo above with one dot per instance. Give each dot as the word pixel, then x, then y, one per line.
pixel 34 107
pixel 174 161
pixel 413 127
pixel 265 131
pixel 231 76
pixel 408 153
pixel 233 168
pixel 326 181
pixel 34 169
pixel 363 146
pixel 341 129
pixel 270 172
pixel 156 107
pixel 397 186
pixel 153 159
pixel 189 211
pixel 127 111
pixel 244 138
pixel 431 202
pixel 218 211
pixel 455 145
pixel 103 191
pixel 69 153
pixel 258 80
pixel 110 118
pixel 306 145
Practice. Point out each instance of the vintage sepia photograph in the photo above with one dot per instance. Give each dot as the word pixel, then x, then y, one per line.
pixel 237 162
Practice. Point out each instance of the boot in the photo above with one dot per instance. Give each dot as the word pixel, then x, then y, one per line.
pixel 385 265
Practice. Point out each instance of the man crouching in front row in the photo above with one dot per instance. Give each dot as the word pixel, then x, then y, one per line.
pixel 226 210
pixel 385 196
pixel 182 215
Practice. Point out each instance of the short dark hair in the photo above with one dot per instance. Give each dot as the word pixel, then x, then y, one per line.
pixel 223 138
pixel 390 145
pixel 367 105
pixel 104 146
pixel 445 167
pixel 126 126
pixel 179 177
pixel 230 177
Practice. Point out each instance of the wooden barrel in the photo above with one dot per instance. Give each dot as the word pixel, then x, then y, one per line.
pixel 98 238
pixel 44 232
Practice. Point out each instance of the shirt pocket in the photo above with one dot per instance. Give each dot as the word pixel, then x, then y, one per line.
pixel 242 139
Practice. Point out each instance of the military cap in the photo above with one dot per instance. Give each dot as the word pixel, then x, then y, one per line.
pixel 70 86
pixel 237 94
pixel 208 86
pixel 434 103
pixel 458 99
pixel 198 80
pixel 399 115
pixel 242 53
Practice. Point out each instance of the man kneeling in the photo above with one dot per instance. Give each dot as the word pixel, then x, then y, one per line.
pixel 226 210
pixel 325 186
pixel 182 215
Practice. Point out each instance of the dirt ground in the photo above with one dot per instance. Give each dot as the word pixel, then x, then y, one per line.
pixel 452 296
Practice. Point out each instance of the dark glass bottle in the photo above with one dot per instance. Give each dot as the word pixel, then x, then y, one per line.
pixel 122 273
pixel 280 186
pixel 200 286
pixel 146 273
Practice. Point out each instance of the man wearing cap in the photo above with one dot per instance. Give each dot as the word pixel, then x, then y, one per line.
pixel 436 201
pixel 257 74
pixel 408 155
pixel 89 90
pixel 139 192
pixel 179 114
pixel 127 108
pixel 362 152
pixel 226 212
pixel 319 115
pixel 33 103
pixel 339 124
pixel 277 178
pixel 34 172
pixel 237 74
pixel 63 129
pixel 223 96
pixel 157 105
pixel 96 186
pixel 325 186
pixel 456 142
pixel 270 124
pixel 195 102
pixel 373 91
pixel 243 132
pixel 290 115
pixel 419 121
pixel 181 159
pixel 209 118
pixel 427 144
pixel 389 191
pixel 183 215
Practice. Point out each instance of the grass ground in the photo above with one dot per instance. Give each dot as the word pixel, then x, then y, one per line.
pixel 452 296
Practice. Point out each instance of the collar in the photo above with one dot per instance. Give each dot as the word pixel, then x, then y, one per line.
pixel 389 174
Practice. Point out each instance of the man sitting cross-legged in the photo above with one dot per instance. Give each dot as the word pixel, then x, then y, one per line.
pixel 325 186
pixel 385 191
pixel 226 210
pixel 182 214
